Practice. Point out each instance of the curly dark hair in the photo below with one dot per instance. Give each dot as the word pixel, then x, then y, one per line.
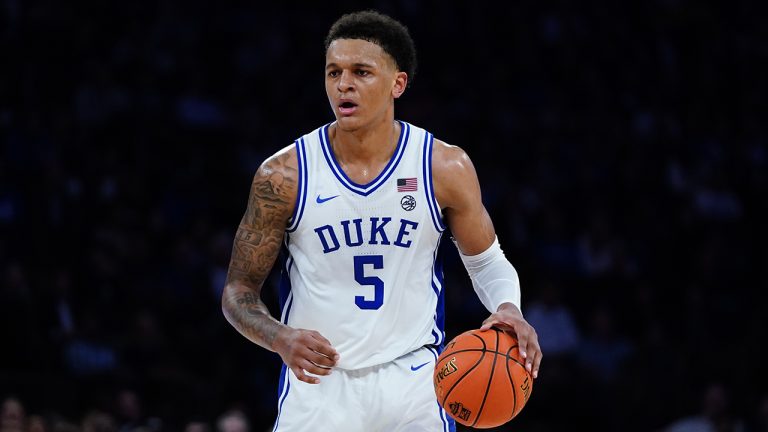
pixel 384 31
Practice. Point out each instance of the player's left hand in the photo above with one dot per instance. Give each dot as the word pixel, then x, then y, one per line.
pixel 509 318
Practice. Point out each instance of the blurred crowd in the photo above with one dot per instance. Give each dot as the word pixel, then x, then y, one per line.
pixel 623 154
pixel 128 416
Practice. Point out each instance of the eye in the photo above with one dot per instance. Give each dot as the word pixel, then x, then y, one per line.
pixel 361 72
pixel 333 73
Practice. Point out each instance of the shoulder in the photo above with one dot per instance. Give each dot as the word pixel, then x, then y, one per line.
pixel 453 173
pixel 282 168
pixel 449 159
pixel 284 162
pixel 275 183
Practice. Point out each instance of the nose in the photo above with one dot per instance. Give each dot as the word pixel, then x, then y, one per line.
pixel 345 82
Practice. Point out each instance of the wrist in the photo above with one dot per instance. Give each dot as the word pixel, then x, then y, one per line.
pixel 282 336
pixel 509 307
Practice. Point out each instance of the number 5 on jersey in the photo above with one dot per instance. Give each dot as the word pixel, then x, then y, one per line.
pixel 378 285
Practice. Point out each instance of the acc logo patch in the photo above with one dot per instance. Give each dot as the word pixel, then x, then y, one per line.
pixel 408 203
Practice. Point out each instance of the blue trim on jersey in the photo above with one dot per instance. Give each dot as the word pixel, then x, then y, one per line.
pixel 286 310
pixel 298 194
pixel 301 197
pixel 437 287
pixel 435 335
pixel 282 393
pixel 374 184
pixel 285 293
pixel 440 321
pixel 286 300
pixel 449 424
pixel 429 189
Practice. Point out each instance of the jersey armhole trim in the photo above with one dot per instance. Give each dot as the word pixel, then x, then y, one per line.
pixel 434 207
pixel 301 196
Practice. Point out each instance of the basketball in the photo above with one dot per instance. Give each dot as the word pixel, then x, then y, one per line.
pixel 480 378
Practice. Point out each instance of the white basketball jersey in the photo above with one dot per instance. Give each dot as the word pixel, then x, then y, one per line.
pixel 362 266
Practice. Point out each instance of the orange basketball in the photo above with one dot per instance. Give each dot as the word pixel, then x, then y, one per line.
pixel 480 378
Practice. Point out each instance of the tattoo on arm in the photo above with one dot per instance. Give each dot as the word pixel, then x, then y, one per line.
pixel 256 247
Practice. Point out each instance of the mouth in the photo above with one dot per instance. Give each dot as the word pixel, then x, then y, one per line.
pixel 347 107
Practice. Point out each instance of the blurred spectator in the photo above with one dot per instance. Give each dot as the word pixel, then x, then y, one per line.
pixel 96 421
pixel 196 426
pixel 760 421
pixel 62 425
pixel 604 350
pixel 64 326
pixel 89 351
pixel 554 323
pixel 145 344
pixel 17 315
pixel 130 414
pixel 232 421
pixel 37 424
pixel 715 414
pixel 12 416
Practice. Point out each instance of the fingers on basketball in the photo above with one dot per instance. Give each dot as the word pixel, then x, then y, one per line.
pixel 480 379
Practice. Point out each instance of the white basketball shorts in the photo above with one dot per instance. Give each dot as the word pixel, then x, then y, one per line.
pixel 392 397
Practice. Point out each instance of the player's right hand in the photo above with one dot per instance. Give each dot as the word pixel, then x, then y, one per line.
pixel 306 351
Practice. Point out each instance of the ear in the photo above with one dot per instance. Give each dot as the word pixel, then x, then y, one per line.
pixel 401 82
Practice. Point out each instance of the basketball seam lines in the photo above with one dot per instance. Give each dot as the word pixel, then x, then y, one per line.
pixel 486 351
pixel 490 380
pixel 448 393
pixel 514 386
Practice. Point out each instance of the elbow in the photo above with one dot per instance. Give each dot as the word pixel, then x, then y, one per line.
pixel 224 303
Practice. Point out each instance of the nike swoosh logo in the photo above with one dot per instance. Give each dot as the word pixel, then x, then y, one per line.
pixel 415 368
pixel 322 200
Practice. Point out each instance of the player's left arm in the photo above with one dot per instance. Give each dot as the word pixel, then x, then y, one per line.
pixel 457 190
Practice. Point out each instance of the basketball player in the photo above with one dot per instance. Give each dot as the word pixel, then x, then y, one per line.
pixel 360 205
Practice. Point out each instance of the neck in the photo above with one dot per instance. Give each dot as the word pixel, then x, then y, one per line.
pixel 371 143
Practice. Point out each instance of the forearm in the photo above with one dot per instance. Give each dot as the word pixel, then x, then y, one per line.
pixel 495 280
pixel 253 256
pixel 246 312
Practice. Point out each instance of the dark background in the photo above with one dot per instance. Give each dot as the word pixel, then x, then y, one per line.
pixel 621 148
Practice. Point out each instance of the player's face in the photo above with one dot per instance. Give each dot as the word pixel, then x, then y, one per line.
pixel 361 81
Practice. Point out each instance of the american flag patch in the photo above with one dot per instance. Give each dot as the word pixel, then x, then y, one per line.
pixel 406 184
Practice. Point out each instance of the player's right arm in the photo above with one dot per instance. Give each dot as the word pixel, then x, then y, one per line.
pixel 255 249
